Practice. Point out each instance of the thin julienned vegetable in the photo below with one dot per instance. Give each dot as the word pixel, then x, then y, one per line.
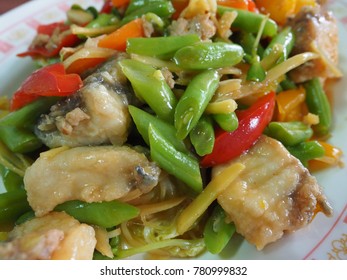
pixel 200 204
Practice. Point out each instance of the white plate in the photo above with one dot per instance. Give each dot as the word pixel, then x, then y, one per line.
pixel 324 238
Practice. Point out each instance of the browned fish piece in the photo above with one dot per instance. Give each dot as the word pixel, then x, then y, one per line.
pixel 55 236
pixel 315 31
pixel 90 174
pixel 273 195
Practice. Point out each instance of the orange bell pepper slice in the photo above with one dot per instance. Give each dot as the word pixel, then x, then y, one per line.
pixel 117 40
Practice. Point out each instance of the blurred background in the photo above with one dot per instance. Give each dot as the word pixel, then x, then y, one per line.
pixel 6 5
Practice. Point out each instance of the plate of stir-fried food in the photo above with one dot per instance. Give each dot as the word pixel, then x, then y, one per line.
pixel 194 129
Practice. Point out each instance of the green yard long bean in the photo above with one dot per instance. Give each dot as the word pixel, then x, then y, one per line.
pixel 202 136
pixel 318 103
pixel 150 85
pixel 161 47
pixel 12 205
pixel 142 121
pixel 289 133
pixel 105 214
pixel 217 233
pixel 250 22
pixel 182 165
pixel 192 104
pixel 207 55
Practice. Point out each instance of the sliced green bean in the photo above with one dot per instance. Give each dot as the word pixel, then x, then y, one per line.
pixel 163 9
pixel 256 72
pixel 217 233
pixel 103 20
pixel 247 41
pixel 13 204
pixel 161 47
pixel 150 85
pixel 306 151
pixel 250 22
pixel 12 181
pixel 289 133
pixel 27 115
pixel 202 136
pixel 207 55
pixel 318 104
pixel 227 122
pixel 287 84
pixel 184 166
pixel 193 103
pixel 105 214
pixel 142 121
pixel 285 38
pixel 25 217
pixel 19 140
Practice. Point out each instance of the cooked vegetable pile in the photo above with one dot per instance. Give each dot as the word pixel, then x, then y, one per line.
pixel 166 127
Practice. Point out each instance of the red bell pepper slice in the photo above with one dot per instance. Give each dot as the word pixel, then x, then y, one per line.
pixel 51 80
pixel 239 4
pixel 252 123
pixel 106 7
pixel 68 40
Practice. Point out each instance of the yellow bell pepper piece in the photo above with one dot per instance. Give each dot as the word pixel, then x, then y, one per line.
pixel 291 105
pixel 280 10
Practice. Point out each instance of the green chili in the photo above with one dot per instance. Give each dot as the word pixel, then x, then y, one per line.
pixel 217 232
pixel 289 133
pixel 150 86
pixel 12 205
pixel 207 55
pixel 184 166
pixel 105 214
pixel 318 104
pixel 306 151
pixel 161 47
pixel 192 104
pixel 12 181
pixel 202 136
pixel 227 122
pixel 142 121
pixel 250 22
